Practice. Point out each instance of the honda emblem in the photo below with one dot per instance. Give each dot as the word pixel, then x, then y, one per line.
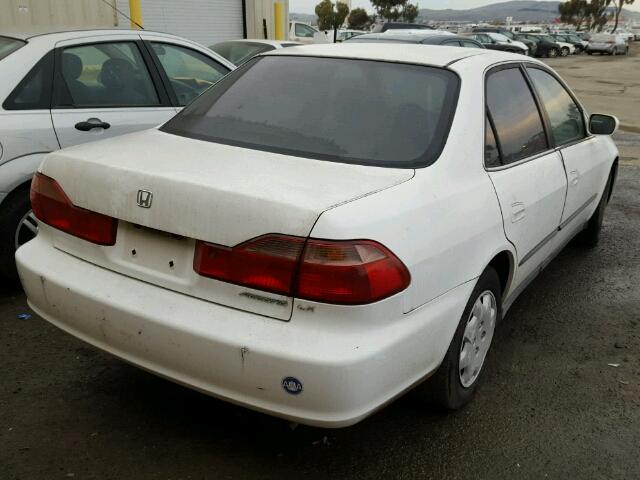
pixel 145 198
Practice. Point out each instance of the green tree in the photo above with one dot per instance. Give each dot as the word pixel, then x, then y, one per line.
pixel 389 9
pixel 410 12
pixel 574 12
pixel 358 18
pixel 618 6
pixel 598 15
pixel 342 11
pixel 324 12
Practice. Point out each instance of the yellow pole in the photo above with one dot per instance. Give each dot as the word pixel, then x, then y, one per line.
pixel 278 19
pixel 135 11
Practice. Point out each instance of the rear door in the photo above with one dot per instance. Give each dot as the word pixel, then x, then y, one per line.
pixel 105 86
pixel 527 173
pixel 585 157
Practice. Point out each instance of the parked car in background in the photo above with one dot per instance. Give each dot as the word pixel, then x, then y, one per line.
pixel 60 89
pixel 383 27
pixel 530 44
pixel 498 37
pixel 426 38
pixel 545 47
pixel 584 35
pixel 492 44
pixel 303 32
pixel 344 35
pixel 565 48
pixel 579 44
pixel 239 51
pixel 325 228
pixel 607 43
pixel 626 35
pixel 636 33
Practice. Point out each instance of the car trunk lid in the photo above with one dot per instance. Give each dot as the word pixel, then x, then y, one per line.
pixel 168 191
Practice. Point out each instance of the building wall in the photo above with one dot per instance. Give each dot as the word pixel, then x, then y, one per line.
pixel 204 21
pixel 28 13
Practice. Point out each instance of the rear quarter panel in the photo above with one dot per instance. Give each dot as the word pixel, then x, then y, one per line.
pixel 445 224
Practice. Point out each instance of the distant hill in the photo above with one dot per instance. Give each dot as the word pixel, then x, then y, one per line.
pixel 520 10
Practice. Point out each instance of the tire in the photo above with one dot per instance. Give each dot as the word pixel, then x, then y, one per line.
pixel 626 51
pixel 446 388
pixel 564 52
pixel 590 236
pixel 589 52
pixel 553 53
pixel 14 210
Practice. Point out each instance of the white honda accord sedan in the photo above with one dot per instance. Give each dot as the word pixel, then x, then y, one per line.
pixel 325 228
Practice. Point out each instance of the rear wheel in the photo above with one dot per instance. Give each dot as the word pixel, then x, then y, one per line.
pixel 456 380
pixel 564 51
pixel 590 236
pixel 553 52
pixel 17 226
pixel 589 52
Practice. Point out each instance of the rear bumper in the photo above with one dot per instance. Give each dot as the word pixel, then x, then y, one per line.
pixel 347 370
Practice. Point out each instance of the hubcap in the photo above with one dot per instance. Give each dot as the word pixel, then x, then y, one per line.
pixel 27 229
pixel 478 334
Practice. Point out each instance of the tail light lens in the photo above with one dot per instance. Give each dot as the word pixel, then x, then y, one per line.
pixel 340 272
pixel 52 206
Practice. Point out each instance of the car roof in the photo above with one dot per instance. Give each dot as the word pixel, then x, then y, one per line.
pixel 274 43
pixel 431 55
pixel 68 33
pixel 422 38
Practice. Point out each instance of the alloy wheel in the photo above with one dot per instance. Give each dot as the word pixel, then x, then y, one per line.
pixel 27 229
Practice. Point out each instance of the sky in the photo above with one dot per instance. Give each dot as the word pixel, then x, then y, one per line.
pixel 308 6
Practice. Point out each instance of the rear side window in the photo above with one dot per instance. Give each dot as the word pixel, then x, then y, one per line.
pixel 515 115
pixel 9 45
pixel 351 111
pixel 34 91
pixel 565 117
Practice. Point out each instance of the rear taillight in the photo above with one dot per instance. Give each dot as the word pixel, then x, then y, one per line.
pixel 52 206
pixel 350 272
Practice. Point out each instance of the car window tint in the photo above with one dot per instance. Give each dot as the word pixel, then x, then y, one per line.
pixel 468 44
pixel 105 75
pixel 305 106
pixel 189 72
pixel 9 45
pixel 565 117
pixel 240 52
pixel 304 31
pixel 515 115
pixel 491 152
pixel 34 91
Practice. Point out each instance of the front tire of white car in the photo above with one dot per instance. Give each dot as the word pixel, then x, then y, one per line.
pixel 455 382
pixel 564 52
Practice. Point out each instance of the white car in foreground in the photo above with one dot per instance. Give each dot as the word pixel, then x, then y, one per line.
pixel 282 245
pixel 62 88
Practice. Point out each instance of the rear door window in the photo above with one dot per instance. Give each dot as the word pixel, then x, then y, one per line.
pixel 517 120
pixel 110 74
pixel 565 116
pixel 351 111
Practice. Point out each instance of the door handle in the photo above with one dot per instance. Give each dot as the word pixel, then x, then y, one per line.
pixel 518 212
pixel 574 177
pixel 91 124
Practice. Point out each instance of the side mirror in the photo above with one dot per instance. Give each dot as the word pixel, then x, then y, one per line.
pixel 600 124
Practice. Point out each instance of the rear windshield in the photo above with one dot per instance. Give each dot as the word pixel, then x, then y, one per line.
pixel 9 45
pixel 351 111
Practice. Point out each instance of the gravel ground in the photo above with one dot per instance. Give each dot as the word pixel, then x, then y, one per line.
pixel 550 406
